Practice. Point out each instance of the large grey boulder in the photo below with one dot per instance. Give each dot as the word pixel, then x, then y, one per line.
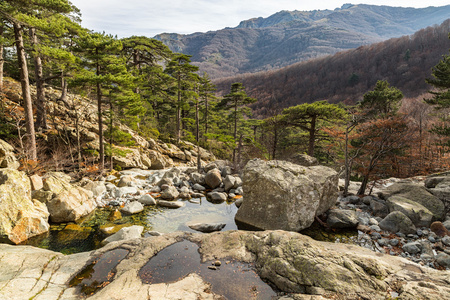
pixel 147 199
pixel 229 181
pixel 56 182
pixel 197 178
pixel 396 221
pixel 20 216
pixel 158 161
pixel 417 213
pixel 7 157
pixel 419 194
pixel 282 195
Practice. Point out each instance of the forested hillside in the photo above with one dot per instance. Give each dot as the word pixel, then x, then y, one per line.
pixel 344 77
pixel 289 37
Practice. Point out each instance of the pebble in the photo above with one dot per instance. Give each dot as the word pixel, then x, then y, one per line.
pixel 382 242
pixel 412 248
pixel 372 221
pixel 375 227
pixel 375 235
pixel 446 240
pixel 394 242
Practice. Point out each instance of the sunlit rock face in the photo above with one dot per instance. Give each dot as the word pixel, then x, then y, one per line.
pixel 7 157
pixel 282 195
pixel 20 216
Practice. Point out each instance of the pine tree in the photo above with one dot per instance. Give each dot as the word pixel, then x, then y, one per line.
pixel 104 70
pixel 183 72
pixel 206 92
pixel 310 116
pixel 441 93
pixel 44 20
pixel 9 13
pixel 235 101
pixel 382 100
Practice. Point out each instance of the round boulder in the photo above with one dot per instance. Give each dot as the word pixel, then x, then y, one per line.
pixel 397 222
pixel 213 178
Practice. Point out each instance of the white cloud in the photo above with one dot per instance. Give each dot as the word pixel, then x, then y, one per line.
pixel 150 17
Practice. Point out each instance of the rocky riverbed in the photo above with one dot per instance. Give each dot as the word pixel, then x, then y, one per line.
pixel 403 226
pixel 181 198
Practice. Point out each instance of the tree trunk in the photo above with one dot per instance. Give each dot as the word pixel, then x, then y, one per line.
pixel 136 59
pixel 63 97
pixel 27 103
pixel 363 186
pixel 347 167
pixel 41 111
pixel 239 152
pixel 235 120
pixel 77 130
pixel 179 111
pixel 312 136
pixel 111 135
pixel 100 128
pixel 206 114
pixel 100 122
pixel 2 62
pixel 275 142
pixel 197 137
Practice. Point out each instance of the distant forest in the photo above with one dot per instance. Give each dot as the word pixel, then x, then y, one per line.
pixel 404 62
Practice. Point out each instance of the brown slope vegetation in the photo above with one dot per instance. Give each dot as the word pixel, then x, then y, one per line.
pixel 344 77
pixel 289 37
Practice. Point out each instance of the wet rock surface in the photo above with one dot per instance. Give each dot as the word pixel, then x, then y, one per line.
pixel 295 265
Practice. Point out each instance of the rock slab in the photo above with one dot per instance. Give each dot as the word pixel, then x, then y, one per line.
pixel 296 264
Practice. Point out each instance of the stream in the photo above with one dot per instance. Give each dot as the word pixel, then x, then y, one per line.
pixel 86 234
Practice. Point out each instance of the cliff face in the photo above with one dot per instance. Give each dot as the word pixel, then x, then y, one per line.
pixel 288 37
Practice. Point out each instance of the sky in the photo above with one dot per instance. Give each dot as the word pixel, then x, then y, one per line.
pixel 152 17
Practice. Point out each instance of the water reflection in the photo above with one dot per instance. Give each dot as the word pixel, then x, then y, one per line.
pixel 232 279
pixel 201 212
pixel 86 234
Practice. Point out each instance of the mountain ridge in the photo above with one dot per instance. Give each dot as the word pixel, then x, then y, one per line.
pixel 405 62
pixel 288 37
